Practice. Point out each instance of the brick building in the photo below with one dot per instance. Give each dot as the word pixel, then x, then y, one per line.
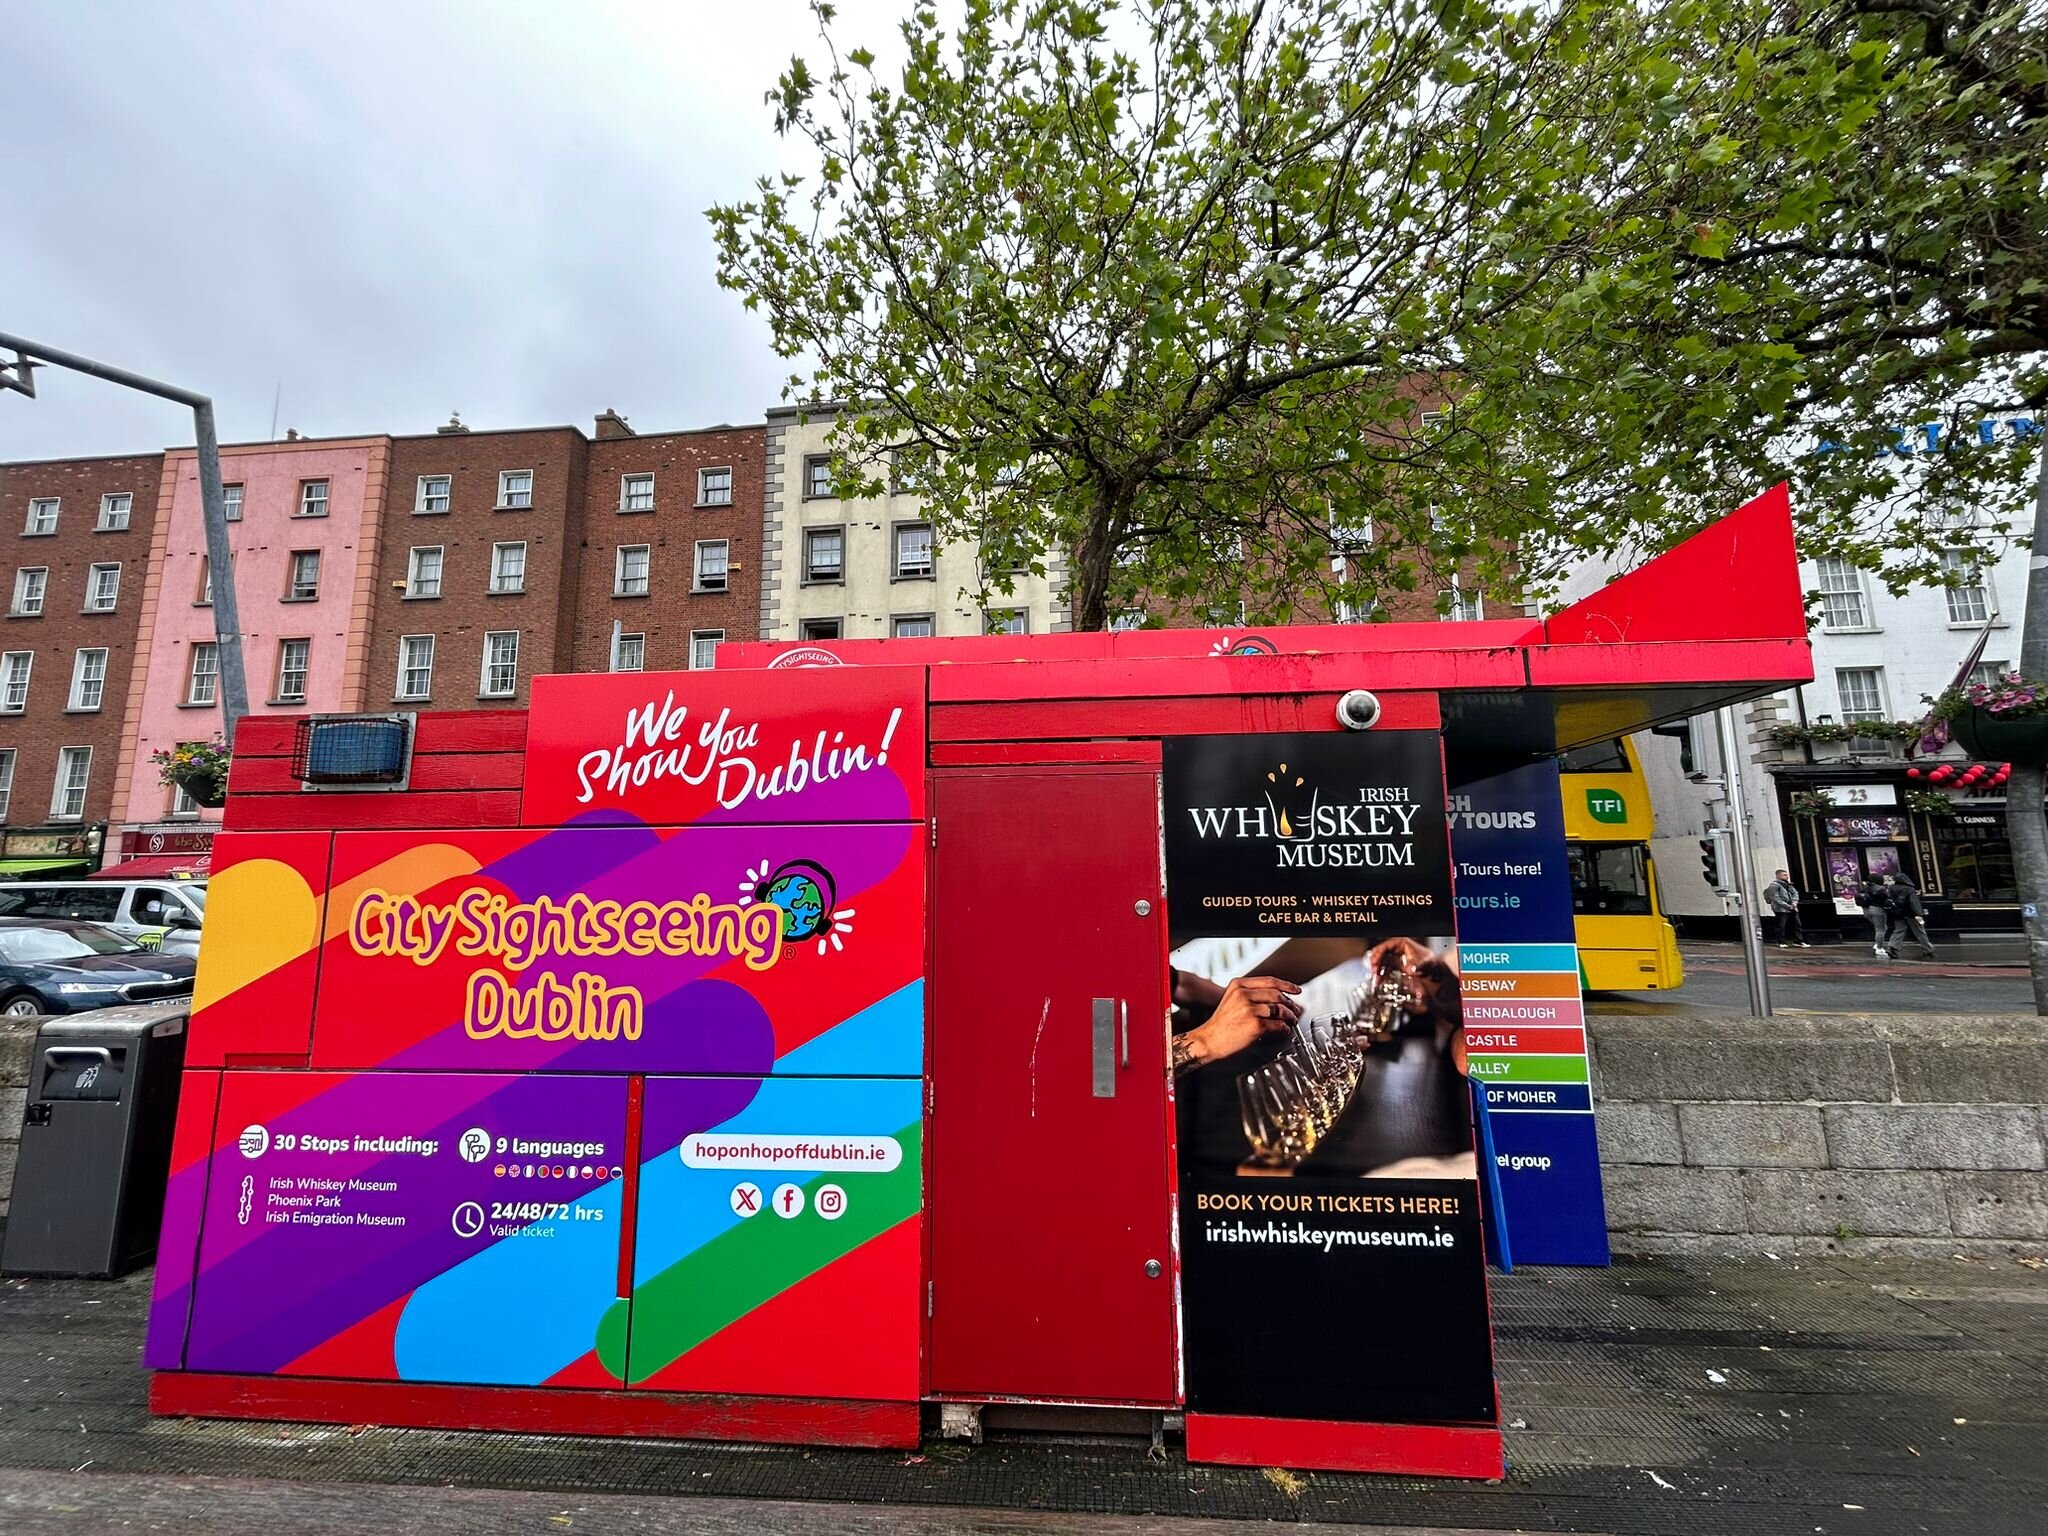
pixel 81 533
pixel 477 577
pixel 671 545
pixel 304 520
pixel 507 554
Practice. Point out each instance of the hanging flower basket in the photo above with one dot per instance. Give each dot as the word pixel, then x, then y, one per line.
pixel 199 768
pixel 2002 720
pixel 1811 802
pixel 1987 734
pixel 204 786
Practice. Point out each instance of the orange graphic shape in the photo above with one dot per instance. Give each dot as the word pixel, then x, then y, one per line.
pixel 407 874
pixel 261 915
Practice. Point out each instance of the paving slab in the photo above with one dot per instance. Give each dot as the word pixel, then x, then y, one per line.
pixel 1660 1397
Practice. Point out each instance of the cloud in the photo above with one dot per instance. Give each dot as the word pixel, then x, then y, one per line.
pixel 384 211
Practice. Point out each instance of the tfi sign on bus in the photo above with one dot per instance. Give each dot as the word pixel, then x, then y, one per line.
pixel 1605 805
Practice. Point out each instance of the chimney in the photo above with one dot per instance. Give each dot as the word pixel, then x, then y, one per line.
pixel 611 424
pixel 453 425
pixel 291 434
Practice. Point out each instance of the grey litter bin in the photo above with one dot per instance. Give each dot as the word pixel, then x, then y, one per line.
pixel 96 1142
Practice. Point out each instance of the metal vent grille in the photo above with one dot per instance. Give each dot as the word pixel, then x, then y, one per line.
pixel 353 751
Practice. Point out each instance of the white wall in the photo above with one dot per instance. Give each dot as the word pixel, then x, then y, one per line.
pixel 869 597
pixel 1910 639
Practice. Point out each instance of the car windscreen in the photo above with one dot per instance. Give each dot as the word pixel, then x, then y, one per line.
pixel 33 946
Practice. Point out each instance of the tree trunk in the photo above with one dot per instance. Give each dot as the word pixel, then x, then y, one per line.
pixel 2026 827
pixel 1094 558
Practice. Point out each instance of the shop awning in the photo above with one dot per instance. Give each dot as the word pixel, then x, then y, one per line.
pixel 38 866
pixel 158 866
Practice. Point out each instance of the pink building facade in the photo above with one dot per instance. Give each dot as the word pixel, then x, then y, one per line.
pixel 304 522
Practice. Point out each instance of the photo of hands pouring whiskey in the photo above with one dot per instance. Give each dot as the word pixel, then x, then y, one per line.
pixel 1319 1055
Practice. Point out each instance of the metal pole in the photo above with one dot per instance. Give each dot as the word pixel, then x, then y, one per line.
pixel 227 624
pixel 1745 867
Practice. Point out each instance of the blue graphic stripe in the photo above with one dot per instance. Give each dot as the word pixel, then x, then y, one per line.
pixel 1476 957
pixel 522 1309
pixel 885 1039
pixel 681 1209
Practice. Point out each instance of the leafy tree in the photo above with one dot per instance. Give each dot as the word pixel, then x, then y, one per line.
pixel 1160 289
pixel 1826 259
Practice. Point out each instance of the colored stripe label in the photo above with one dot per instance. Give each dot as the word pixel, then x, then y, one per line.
pixel 1529 1069
pixel 1477 959
pixel 1540 1098
pixel 1497 1012
pixel 1524 1042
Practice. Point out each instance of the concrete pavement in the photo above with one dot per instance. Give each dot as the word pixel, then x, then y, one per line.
pixel 1772 1397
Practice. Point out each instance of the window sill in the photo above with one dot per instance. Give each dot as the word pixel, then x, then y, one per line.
pixel 415 597
pixel 202 605
pixel 1980 624
pixel 628 596
pixel 24 615
pixel 313 599
pixel 512 506
pixel 298 703
pixel 123 528
pixel 188 704
pixel 636 511
pixel 30 533
pixel 429 511
pixel 709 591
pixel 82 709
pixel 1852 629
pixel 115 609
pixel 412 698
pixel 307 517
pixel 925 576
pixel 498 698
pixel 823 581
pixel 711 506
pixel 505 592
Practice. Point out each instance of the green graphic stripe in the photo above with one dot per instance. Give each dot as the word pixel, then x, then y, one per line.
pixel 1529 1069
pixel 746 1265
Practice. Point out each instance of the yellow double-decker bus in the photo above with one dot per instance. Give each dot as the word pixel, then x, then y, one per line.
pixel 1626 944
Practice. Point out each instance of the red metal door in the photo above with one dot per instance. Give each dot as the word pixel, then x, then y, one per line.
pixel 1051 1203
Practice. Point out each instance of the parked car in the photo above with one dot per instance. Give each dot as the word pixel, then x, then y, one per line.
pixel 51 965
pixel 157 914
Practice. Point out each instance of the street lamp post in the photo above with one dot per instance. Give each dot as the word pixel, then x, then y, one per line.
pixel 227 626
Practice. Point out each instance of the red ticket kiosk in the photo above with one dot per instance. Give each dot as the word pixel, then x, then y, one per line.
pixel 774 1052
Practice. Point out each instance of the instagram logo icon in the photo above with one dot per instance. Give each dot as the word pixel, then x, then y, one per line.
pixel 831 1201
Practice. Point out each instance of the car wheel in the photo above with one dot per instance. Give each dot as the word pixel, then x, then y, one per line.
pixel 22 1005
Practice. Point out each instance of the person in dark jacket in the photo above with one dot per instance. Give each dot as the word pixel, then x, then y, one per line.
pixel 1782 897
pixel 1908 912
pixel 1870 896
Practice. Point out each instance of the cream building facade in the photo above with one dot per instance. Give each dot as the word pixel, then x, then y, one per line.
pixel 872 569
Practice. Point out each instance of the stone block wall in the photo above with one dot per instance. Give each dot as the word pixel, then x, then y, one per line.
pixel 1804 1133
pixel 17 1039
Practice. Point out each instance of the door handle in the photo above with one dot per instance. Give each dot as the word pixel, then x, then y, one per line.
pixel 1123 1023
pixel 1104 1061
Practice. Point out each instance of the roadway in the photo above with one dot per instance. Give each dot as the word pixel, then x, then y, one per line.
pixel 1968 976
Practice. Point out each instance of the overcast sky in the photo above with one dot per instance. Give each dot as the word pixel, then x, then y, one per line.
pixel 386 210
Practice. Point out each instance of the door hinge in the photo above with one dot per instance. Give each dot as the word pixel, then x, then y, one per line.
pixel 935 831
pixel 930 1297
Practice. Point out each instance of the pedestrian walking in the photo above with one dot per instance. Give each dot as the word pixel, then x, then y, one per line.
pixel 1870 896
pixel 1782 897
pixel 1908 913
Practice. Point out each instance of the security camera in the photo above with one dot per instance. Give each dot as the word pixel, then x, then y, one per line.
pixel 1358 710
